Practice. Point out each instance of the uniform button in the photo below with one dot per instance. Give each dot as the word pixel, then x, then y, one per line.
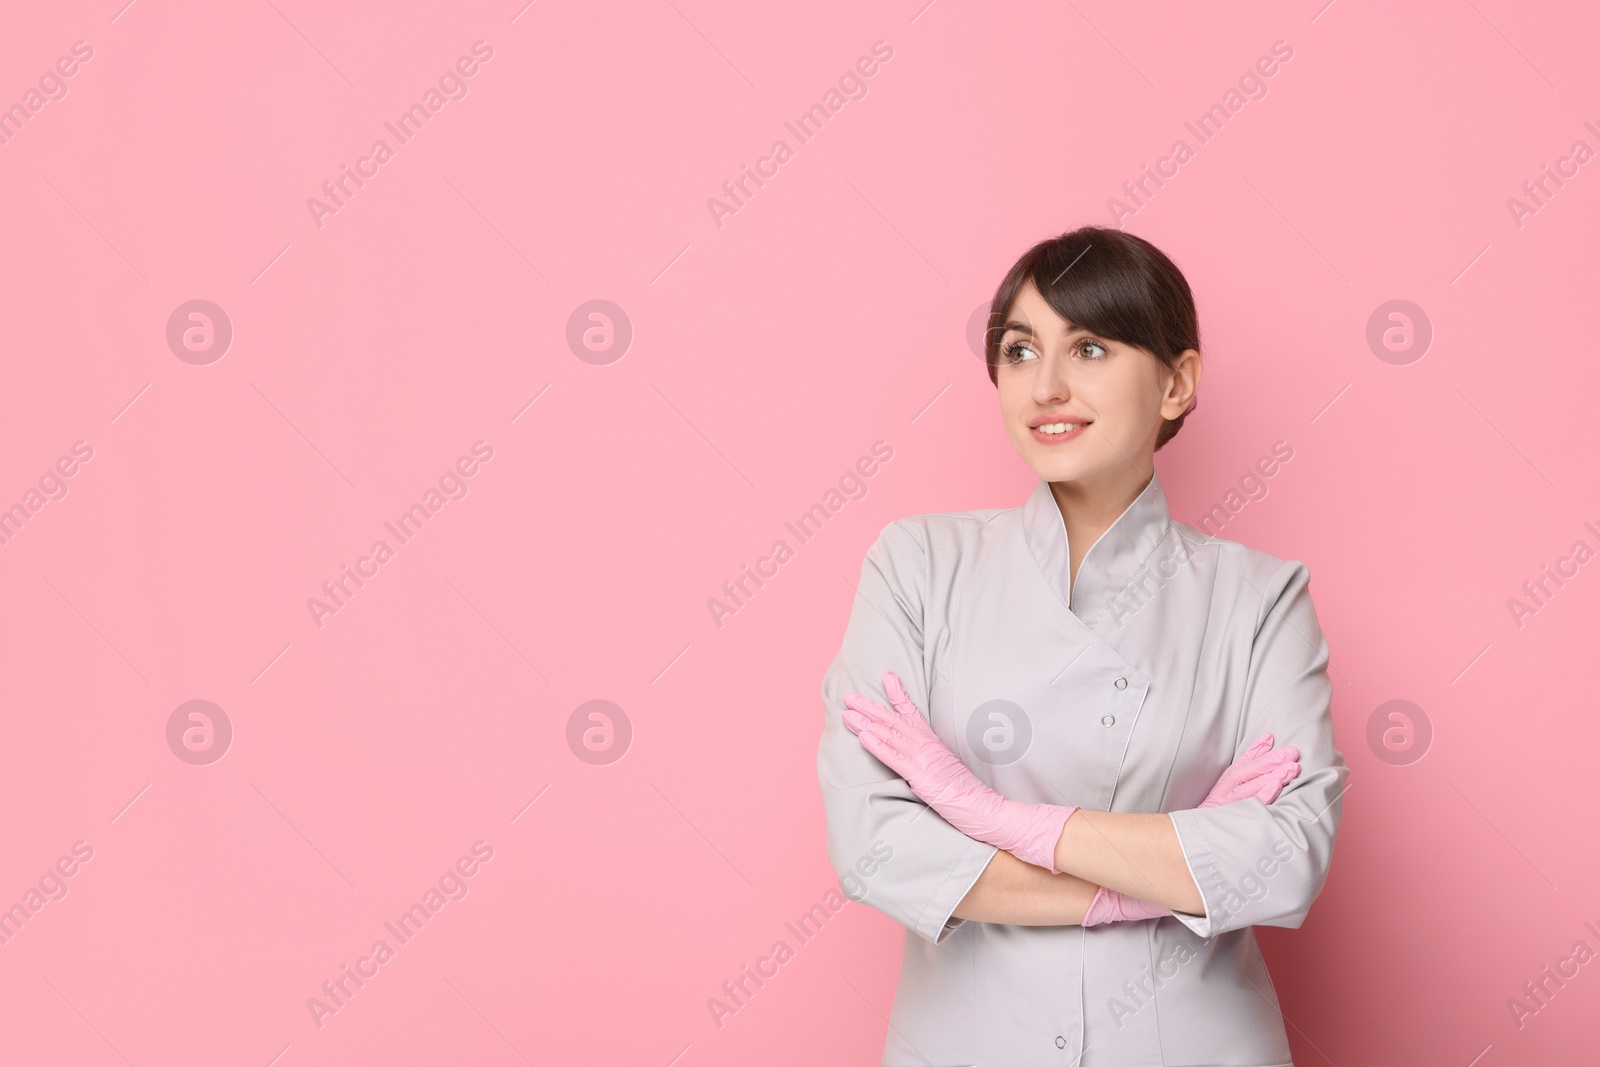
pixel 1107 720
pixel 1061 1042
pixel 1121 683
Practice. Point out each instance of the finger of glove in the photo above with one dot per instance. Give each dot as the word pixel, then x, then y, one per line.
pixel 1259 781
pixel 929 761
pixel 885 753
pixel 887 721
pixel 1243 771
pixel 869 709
pixel 938 766
pixel 1246 765
pixel 1259 747
pixel 892 748
pixel 1287 772
pixel 1225 790
pixel 1268 768
pixel 857 720
pixel 1271 787
pixel 897 741
pixel 906 712
pixel 1231 778
pixel 898 696
pixel 1267 764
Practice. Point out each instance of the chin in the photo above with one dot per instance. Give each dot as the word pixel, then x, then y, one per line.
pixel 1057 468
pixel 1069 465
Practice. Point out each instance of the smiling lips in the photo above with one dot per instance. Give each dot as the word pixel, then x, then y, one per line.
pixel 1053 429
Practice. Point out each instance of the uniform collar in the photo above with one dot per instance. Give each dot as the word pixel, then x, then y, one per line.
pixel 1111 561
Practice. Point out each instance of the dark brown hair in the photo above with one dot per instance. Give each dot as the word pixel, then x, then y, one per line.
pixel 1110 283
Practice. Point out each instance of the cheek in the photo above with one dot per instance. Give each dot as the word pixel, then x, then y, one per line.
pixel 1013 404
pixel 1129 404
pixel 1013 396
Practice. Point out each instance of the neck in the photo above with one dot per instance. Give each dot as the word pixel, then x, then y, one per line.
pixel 1089 506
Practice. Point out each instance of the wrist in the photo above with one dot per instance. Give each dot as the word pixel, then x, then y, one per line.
pixel 1041 828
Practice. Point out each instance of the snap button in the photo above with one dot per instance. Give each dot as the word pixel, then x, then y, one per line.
pixel 1061 1042
pixel 1121 683
pixel 1107 720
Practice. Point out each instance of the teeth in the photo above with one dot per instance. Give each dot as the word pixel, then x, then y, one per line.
pixel 1059 427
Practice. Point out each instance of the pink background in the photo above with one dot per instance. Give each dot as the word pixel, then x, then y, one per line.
pixel 828 313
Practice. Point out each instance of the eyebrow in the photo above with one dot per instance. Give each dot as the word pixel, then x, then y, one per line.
pixel 1022 327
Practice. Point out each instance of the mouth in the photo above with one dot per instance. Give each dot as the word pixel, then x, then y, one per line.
pixel 1053 433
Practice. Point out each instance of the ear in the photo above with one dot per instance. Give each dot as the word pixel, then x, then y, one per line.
pixel 1182 384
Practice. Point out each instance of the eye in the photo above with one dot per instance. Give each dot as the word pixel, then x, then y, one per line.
pixel 1011 352
pixel 1086 342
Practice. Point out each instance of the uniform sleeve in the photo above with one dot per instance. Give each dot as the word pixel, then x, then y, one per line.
pixel 1258 864
pixel 889 849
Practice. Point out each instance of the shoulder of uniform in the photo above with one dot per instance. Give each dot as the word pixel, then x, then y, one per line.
pixel 944 527
pixel 1258 575
pixel 1236 555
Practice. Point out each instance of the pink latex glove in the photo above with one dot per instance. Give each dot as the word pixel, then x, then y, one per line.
pixel 1261 771
pixel 1109 906
pixel 901 737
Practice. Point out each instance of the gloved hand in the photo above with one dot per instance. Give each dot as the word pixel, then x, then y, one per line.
pixel 1109 906
pixel 903 740
pixel 1261 771
pixel 1257 772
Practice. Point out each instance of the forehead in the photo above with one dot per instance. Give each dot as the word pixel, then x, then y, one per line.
pixel 1032 315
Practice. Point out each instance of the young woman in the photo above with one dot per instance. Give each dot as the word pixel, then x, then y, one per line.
pixel 1048 746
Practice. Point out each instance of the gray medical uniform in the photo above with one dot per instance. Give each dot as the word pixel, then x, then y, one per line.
pixel 1130 691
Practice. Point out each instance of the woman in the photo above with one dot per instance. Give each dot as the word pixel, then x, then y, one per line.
pixel 1048 740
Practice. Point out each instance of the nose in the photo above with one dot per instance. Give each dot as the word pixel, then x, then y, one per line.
pixel 1052 386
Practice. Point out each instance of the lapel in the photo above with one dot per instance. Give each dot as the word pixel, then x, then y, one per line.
pixel 1110 562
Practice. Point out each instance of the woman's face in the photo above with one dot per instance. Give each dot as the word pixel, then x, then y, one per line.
pixel 1112 397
